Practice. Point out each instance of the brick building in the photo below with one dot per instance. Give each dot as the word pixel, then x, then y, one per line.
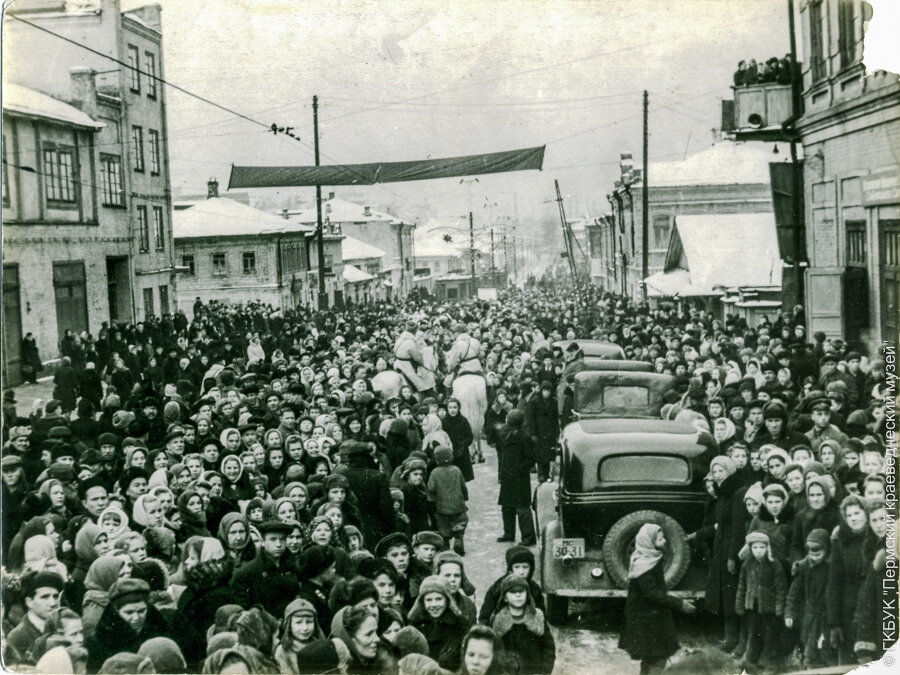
pixel 87 236
pixel 850 130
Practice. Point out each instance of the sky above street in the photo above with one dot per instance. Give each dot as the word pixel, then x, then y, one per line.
pixel 408 80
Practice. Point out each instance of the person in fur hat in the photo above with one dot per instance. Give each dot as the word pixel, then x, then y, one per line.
pixel 761 594
pixel 527 639
pixel 449 565
pixel 520 561
pixel 806 601
pixel 437 616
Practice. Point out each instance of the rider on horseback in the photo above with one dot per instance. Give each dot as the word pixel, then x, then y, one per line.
pixel 464 357
pixel 408 359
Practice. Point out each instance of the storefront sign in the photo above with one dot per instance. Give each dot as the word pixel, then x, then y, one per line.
pixel 882 187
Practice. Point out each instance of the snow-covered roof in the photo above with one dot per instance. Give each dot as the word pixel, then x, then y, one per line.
pixel 222 217
pixel 341 211
pixel 711 252
pixel 725 163
pixel 355 249
pixel 25 101
pixel 352 274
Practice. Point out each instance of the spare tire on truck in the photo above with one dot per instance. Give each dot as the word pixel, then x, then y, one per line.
pixel 619 544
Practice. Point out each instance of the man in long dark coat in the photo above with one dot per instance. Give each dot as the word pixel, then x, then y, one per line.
pixel 515 479
pixel 542 423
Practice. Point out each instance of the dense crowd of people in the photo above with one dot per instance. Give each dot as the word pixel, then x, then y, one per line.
pixel 230 493
pixel 773 71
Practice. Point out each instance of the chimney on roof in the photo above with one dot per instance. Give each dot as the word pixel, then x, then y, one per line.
pixel 212 188
pixel 367 210
pixel 284 214
pixel 84 88
pixel 331 195
pixel 626 163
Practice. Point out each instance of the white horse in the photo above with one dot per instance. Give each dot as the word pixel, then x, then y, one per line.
pixel 388 383
pixel 471 391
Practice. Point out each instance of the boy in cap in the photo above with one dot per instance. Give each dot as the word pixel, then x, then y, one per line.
pixel 425 545
pixel 519 561
pixel 41 591
pixel 806 601
pixel 819 407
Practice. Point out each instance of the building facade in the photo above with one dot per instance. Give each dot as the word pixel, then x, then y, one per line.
pixel 234 253
pixel 850 130
pixel 727 178
pixel 381 230
pixel 107 254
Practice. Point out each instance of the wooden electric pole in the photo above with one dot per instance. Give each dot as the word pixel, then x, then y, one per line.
pixel 645 211
pixel 472 248
pixel 320 229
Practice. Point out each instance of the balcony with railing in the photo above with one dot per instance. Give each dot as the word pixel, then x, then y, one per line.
pixel 758 112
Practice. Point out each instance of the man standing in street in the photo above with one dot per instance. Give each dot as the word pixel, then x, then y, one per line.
pixel 270 579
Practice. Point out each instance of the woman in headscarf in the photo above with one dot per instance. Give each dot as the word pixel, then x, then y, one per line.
pixel 193 518
pixel 460 432
pixel 724 433
pixel 207 569
pixel 104 572
pixel 433 435
pixel 235 484
pixel 114 522
pixel 820 512
pixel 721 588
pixel 355 630
pixel 147 512
pixel 648 634
pixel 234 534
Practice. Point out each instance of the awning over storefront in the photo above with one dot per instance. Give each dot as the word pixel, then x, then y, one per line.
pixel 709 253
pixel 354 275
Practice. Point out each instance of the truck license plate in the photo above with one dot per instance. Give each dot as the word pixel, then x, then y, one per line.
pixel 573 548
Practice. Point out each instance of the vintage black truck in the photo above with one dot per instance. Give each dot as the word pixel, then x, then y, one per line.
pixel 620 466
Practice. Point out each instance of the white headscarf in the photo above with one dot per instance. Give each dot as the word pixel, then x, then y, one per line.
pixel 646 556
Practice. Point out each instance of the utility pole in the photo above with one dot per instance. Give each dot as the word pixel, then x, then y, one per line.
pixel 493 274
pixel 320 229
pixel 570 252
pixel 472 248
pixel 645 211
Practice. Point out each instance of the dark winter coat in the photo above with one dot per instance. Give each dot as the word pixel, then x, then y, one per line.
pixel 779 532
pixel 806 605
pixel 845 577
pixel 649 628
pixel 494 419
pixel 542 421
pixel 722 584
pixel 762 587
pixel 492 599
pixel 518 453
pixel 266 582
pixel 827 518
pixel 417 507
pixel 64 391
pixel 114 635
pixel 528 646
pixel 444 634
pixel 871 614
pixel 373 498
pixel 208 588
pixel 460 432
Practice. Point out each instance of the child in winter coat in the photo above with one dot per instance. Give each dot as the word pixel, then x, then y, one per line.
pixel 438 618
pixel 449 566
pixel 299 628
pixel 745 511
pixel 761 593
pixel 806 602
pixel 527 640
pixel 447 489
pixel 520 561
pixel 416 503
pixel 775 520
pixel 425 545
